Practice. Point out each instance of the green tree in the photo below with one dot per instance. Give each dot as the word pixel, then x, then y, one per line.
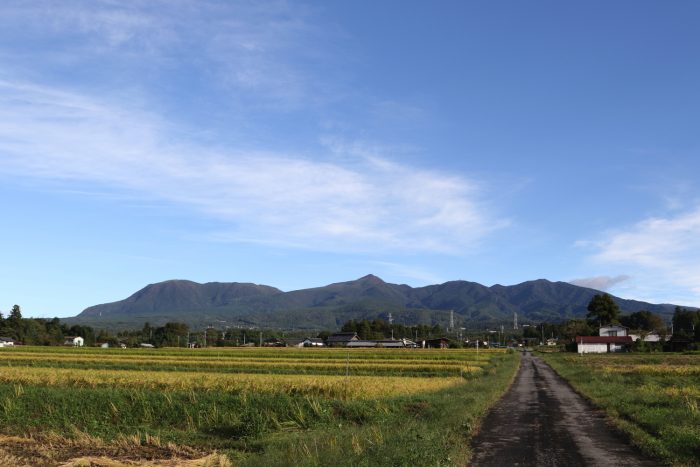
pixel 602 310
pixel 685 322
pixel 643 320
pixel 364 330
pixel 16 313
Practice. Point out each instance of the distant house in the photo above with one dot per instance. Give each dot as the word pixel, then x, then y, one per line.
pixel 294 342
pixel 551 342
pixel 341 339
pixel 145 345
pixel 603 344
pixel 313 342
pixel 102 345
pixel 613 331
pixel 6 342
pixel 382 343
pixel 74 341
pixel 360 344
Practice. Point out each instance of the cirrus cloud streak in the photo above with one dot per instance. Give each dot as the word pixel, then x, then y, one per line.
pixel 321 201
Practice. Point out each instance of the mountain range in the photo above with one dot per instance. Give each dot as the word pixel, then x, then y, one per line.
pixel 250 305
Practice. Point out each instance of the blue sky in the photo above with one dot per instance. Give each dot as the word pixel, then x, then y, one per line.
pixel 297 144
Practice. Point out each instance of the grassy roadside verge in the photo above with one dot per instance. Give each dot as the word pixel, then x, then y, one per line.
pixel 654 398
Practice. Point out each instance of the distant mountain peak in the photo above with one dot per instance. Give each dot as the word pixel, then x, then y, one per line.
pixel 371 278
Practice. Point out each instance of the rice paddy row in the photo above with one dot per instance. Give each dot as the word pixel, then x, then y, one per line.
pixel 258 405
pixel 344 387
pixel 319 362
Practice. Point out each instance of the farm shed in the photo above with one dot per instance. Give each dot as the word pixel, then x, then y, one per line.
pixel 603 344
pixel 439 343
pixel 678 343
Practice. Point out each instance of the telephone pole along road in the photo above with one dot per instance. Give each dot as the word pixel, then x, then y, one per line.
pixel 542 422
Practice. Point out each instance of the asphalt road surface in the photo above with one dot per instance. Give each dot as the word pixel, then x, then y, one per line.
pixel 541 421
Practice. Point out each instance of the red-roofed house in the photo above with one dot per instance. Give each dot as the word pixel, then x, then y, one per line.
pixel 603 344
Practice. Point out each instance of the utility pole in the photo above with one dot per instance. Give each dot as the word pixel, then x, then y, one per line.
pixel 542 325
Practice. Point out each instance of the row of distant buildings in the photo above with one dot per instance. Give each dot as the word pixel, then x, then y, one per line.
pixel 352 340
pixel 613 338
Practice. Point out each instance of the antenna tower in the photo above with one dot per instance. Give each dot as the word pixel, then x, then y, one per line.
pixel 391 319
pixel 452 320
pixel 515 320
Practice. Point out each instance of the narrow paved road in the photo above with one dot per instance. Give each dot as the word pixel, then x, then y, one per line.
pixel 541 421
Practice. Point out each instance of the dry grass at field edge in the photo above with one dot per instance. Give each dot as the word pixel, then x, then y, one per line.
pixel 47 450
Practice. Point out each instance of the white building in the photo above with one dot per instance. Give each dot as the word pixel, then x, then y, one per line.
pixel 6 342
pixel 603 344
pixel 75 341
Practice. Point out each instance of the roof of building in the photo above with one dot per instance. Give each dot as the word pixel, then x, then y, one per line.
pixel 603 340
pixel 6 339
pixel 359 343
pixel 437 339
pixel 343 337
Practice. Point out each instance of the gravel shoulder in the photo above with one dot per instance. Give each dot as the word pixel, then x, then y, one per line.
pixel 542 421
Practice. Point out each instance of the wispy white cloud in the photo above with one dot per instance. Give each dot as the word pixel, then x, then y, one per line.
pixel 600 282
pixel 258 51
pixel 664 252
pixel 359 201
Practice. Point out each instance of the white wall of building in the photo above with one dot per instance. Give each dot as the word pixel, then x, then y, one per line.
pixel 592 348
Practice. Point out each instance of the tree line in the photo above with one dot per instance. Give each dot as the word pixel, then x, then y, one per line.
pixel 40 331
pixel 602 310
